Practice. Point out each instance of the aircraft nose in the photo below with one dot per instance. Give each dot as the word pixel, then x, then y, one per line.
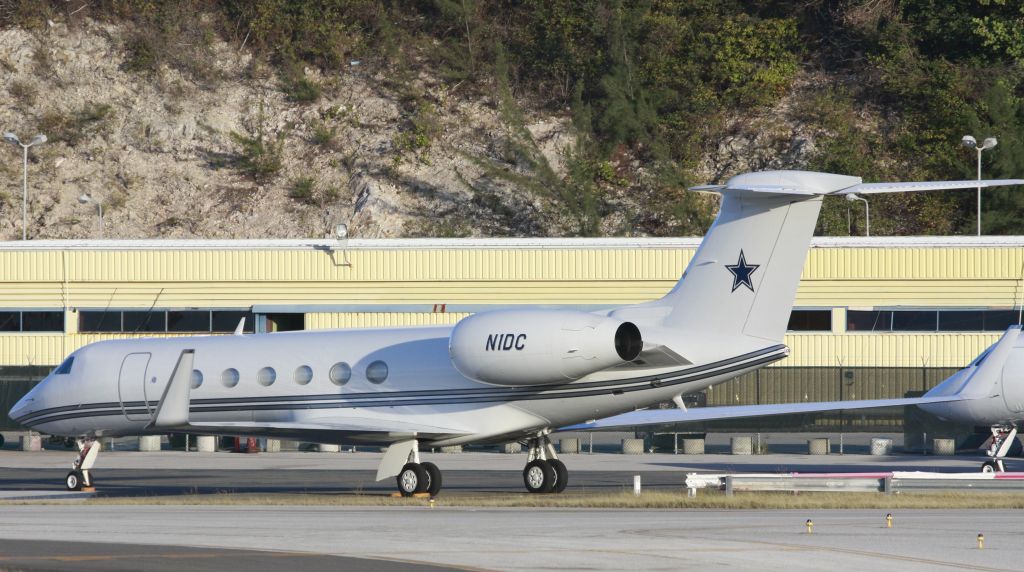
pixel 24 406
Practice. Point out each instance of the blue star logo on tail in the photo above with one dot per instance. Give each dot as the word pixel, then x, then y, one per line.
pixel 741 272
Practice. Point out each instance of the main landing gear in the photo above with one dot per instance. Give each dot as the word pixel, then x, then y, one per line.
pixel 417 477
pixel 1002 440
pixel 544 473
pixel 80 476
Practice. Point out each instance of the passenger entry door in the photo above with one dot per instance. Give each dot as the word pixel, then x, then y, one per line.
pixel 131 386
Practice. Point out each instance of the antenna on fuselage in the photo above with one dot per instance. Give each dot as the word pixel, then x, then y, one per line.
pixel 240 328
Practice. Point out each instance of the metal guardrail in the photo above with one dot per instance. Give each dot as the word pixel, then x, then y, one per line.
pixel 888 483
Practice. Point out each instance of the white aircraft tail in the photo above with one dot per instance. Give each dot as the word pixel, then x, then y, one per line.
pixel 743 278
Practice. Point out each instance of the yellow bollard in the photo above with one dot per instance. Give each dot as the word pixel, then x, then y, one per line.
pixel 888 520
pixel 981 541
pixel 810 526
pixel 432 502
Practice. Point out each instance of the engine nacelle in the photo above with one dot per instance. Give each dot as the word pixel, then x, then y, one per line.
pixel 527 347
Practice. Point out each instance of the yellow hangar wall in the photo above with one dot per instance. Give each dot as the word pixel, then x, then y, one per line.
pixel 377 283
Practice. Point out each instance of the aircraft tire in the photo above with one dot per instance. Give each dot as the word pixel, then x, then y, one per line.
pixel 561 475
pixel 539 476
pixel 433 478
pixel 413 479
pixel 989 467
pixel 74 480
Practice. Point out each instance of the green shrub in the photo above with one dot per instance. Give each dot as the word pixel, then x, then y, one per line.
pixel 301 90
pixel 302 190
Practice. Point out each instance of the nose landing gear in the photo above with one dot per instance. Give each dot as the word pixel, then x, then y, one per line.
pixel 544 473
pixel 80 476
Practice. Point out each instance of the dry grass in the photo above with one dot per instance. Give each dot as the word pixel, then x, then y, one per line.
pixel 622 500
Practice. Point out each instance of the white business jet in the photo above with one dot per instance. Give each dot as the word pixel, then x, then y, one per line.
pixel 494 377
pixel 988 392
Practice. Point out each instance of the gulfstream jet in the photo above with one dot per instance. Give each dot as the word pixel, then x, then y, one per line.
pixel 493 377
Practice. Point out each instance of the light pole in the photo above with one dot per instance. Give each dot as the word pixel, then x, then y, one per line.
pixel 867 211
pixel 37 140
pixel 971 143
pixel 86 199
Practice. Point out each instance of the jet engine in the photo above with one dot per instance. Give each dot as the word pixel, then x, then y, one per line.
pixel 527 347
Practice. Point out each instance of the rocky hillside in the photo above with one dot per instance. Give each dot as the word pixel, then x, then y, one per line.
pixel 206 120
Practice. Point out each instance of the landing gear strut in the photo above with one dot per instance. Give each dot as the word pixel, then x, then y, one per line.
pixel 417 477
pixel 80 476
pixel 1002 440
pixel 544 473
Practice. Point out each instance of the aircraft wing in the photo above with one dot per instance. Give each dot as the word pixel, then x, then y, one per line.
pixel 649 417
pixel 376 430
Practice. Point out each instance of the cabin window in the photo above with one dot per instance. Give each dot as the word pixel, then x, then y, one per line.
pixel 340 373
pixel 303 374
pixel 266 376
pixel 377 372
pixel 230 377
pixel 197 378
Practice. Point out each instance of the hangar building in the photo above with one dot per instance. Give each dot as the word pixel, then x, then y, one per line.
pixel 874 317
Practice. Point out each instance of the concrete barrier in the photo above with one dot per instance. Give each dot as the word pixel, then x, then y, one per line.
pixel 329 448
pixel 569 445
pixel 881 447
pixel 693 446
pixel 944 447
pixel 632 446
pixel 451 449
pixel 273 446
pixel 741 445
pixel 31 443
pixel 511 448
pixel 149 443
pixel 206 443
pixel 819 446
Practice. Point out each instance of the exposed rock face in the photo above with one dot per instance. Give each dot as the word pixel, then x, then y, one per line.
pixel 171 156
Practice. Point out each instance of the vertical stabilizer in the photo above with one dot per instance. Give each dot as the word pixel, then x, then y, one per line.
pixel 744 276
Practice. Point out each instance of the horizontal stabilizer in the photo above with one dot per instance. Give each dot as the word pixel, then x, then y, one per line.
pixel 872 188
pixel 649 417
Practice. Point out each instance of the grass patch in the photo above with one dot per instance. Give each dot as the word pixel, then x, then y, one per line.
pixel 586 500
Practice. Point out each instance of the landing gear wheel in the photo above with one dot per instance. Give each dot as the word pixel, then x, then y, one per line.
pixel 413 479
pixel 74 480
pixel 433 478
pixel 561 475
pixel 992 466
pixel 539 476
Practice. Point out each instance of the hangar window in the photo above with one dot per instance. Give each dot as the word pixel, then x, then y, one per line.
pixel 999 320
pixel 869 320
pixel 810 321
pixel 31 321
pixel 961 320
pixel 188 321
pixel 230 377
pixel 377 372
pixel 227 321
pixel 266 376
pixel 197 378
pixel 340 373
pixel 303 374
pixel 915 320
pixel 129 321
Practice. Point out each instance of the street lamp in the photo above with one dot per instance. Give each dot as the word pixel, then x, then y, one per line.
pixel 867 211
pixel 86 199
pixel 37 140
pixel 971 143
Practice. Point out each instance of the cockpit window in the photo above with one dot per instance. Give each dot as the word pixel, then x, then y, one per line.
pixel 65 368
